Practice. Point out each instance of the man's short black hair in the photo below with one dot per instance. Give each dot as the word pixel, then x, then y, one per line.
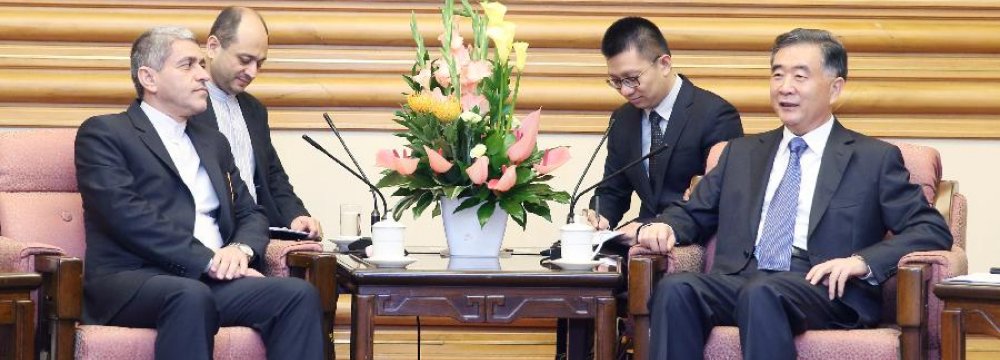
pixel 634 33
pixel 225 25
pixel 834 54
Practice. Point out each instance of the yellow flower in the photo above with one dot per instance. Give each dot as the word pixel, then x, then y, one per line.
pixel 521 50
pixel 494 12
pixel 503 37
pixel 420 102
pixel 448 110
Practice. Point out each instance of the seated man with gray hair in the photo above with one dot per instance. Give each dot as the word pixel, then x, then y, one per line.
pixel 171 229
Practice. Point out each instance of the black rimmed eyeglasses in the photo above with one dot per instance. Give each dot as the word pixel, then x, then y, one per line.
pixel 631 81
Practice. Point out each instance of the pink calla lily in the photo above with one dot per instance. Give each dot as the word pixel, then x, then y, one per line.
pixel 479 170
pixel 526 136
pixel 553 159
pixel 390 159
pixel 438 163
pixel 506 181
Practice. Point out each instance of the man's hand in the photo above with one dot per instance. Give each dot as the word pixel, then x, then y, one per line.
pixel 835 273
pixel 658 237
pixel 596 220
pixel 229 263
pixel 307 224
pixel 628 233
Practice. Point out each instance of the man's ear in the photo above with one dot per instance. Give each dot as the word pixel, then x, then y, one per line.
pixel 148 79
pixel 836 87
pixel 212 47
pixel 666 62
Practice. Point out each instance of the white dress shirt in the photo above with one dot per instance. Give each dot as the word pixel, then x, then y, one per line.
pixel 665 109
pixel 809 163
pixel 229 116
pixel 188 164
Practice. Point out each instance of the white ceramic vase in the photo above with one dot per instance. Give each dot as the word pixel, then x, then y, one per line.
pixel 465 237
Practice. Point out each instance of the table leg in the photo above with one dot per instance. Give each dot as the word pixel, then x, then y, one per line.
pixel 578 337
pixel 952 335
pixel 362 327
pixel 605 334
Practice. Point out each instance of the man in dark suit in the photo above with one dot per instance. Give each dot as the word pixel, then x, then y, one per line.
pixel 237 48
pixel 174 241
pixel 800 213
pixel 663 108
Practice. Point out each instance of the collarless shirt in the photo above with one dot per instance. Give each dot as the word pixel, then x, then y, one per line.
pixel 192 173
pixel 809 163
pixel 233 126
pixel 665 109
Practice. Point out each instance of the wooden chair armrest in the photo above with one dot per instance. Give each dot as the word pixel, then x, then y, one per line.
pixel 60 303
pixel 643 274
pixel 911 308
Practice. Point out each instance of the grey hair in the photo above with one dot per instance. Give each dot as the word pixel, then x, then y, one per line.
pixel 152 49
pixel 833 52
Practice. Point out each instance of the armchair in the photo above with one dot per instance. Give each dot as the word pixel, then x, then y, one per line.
pixel 910 326
pixel 41 230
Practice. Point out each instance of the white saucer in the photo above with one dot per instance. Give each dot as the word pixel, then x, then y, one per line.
pixel 343 240
pixel 574 265
pixel 392 263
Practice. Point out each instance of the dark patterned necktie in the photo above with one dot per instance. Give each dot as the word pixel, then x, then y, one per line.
pixel 774 252
pixel 655 139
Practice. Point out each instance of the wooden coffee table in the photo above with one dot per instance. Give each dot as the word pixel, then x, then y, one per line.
pixel 968 309
pixel 18 311
pixel 469 290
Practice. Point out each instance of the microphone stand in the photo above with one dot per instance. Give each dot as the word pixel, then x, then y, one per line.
pixel 628 166
pixel 569 217
pixel 375 217
pixel 385 206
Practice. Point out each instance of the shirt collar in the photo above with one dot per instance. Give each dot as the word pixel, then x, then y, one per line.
pixel 165 126
pixel 218 94
pixel 667 105
pixel 816 139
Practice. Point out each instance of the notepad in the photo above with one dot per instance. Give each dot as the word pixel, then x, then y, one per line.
pixel 977 278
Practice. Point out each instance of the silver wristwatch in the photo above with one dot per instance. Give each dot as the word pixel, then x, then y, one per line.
pixel 246 249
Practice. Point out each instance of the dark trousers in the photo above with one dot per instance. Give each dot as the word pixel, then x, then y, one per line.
pixel 769 308
pixel 187 314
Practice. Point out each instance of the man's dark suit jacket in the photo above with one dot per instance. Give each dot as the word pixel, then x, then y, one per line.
pixel 274 192
pixel 699 120
pixel 139 214
pixel 863 191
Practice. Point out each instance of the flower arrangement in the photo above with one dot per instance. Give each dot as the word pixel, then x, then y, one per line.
pixel 464 141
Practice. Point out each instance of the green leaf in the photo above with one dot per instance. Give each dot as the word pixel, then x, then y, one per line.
pixel 422 202
pixel 391 179
pixel 485 212
pixel 403 204
pixel 540 210
pixel 437 209
pixel 515 210
pixel 452 191
pixel 413 84
pixel 468 203
pixel 523 174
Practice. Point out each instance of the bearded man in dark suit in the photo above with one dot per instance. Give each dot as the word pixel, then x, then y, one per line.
pixel 174 241
pixel 799 212
pixel 237 48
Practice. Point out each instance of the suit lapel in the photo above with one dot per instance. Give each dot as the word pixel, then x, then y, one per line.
pixel 149 136
pixel 761 162
pixel 836 156
pixel 675 126
pixel 221 181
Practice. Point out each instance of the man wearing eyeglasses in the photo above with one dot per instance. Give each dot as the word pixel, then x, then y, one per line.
pixel 663 108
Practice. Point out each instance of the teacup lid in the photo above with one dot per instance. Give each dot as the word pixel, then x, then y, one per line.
pixel 577 226
pixel 389 223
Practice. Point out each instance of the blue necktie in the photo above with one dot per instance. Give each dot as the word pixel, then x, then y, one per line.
pixel 774 252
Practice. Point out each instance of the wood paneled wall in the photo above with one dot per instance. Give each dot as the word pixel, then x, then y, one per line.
pixel 918 68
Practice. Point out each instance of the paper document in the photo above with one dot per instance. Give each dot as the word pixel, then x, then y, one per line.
pixel 978 278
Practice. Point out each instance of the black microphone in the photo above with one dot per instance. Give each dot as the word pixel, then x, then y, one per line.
pixel 376 217
pixel 569 217
pixel 628 166
pixel 554 252
pixel 385 206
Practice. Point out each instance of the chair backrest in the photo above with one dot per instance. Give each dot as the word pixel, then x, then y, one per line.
pixel 39 200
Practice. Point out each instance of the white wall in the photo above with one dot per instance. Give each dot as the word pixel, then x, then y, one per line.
pixel 324 186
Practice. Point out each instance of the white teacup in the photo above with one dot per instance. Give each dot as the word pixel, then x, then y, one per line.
pixel 577 242
pixel 387 239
